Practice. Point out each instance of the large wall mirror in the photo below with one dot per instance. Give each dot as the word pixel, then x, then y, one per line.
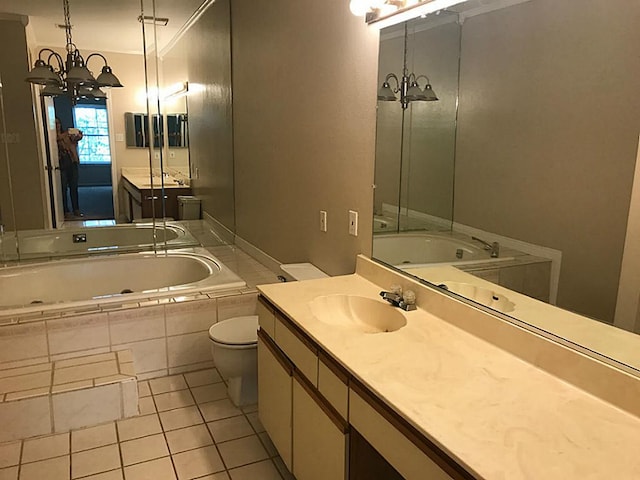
pixel 513 187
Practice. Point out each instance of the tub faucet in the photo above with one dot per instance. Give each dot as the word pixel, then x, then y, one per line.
pixel 406 302
pixel 494 247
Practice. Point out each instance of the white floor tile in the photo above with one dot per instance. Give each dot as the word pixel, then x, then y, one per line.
pixel 52 469
pixel 220 409
pixel 264 470
pixel 242 451
pixel 112 475
pixel 203 377
pixel 210 393
pixel 93 437
pixel 10 473
pixel 45 447
pixel 167 384
pixel 136 427
pixel 9 454
pixel 160 469
pixel 198 462
pixel 180 418
pixel 188 438
pixel 146 405
pixel 230 428
pixel 171 400
pixel 143 449
pixel 97 460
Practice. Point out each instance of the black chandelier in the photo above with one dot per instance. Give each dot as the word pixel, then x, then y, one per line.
pixel 70 76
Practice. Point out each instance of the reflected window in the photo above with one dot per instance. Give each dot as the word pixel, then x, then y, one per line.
pixel 93 121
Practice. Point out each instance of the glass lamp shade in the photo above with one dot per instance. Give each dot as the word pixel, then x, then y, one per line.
pixel 42 74
pixel 84 92
pixel 107 78
pixel 415 94
pixel 98 94
pixel 385 94
pixel 80 75
pixel 52 90
pixel 430 94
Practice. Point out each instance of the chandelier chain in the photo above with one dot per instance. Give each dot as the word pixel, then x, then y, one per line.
pixel 67 24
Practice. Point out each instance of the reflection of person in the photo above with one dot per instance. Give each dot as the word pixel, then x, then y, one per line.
pixel 68 160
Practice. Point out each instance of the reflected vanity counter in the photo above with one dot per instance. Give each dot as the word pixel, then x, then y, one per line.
pixel 591 335
pixel 42 244
pixel 143 199
pixel 498 401
pixel 516 270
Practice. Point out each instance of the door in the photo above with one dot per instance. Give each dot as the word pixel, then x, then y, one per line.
pixel 51 161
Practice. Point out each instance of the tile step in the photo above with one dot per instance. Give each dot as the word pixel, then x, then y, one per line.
pixel 57 396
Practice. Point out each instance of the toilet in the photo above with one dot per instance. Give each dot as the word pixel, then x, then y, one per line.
pixel 234 347
pixel 234 344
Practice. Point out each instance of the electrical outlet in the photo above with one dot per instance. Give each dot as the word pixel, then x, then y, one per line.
pixel 323 221
pixel 353 223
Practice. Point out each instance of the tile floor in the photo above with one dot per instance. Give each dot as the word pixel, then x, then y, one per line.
pixel 187 429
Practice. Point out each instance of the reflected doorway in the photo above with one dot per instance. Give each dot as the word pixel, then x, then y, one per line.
pixel 95 182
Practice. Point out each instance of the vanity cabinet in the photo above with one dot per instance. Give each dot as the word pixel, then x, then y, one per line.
pixel 320 436
pixel 144 202
pixel 309 405
pixel 275 383
pixel 308 432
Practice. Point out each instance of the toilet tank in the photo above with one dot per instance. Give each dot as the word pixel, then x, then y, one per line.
pixel 301 271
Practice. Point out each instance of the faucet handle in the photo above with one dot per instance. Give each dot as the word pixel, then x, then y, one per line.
pixel 409 297
pixel 395 288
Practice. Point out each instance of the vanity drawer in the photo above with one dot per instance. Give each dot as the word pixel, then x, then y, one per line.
pixel 300 351
pixel 266 317
pixel 333 384
pixel 403 454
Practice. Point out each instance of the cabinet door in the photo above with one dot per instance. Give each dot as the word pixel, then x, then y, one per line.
pixel 275 397
pixel 319 442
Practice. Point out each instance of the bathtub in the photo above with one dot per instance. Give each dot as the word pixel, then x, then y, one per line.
pixel 82 241
pixel 75 283
pixel 417 249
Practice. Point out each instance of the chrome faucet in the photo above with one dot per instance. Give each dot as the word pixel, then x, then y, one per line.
pixel 494 247
pixel 395 298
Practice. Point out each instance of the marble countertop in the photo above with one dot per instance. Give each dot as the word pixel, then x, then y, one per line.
pixel 599 337
pixel 143 182
pixel 497 415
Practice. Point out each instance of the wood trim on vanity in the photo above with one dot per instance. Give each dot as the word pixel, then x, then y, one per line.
pixel 290 324
pixel 430 449
pixel 317 397
pixel 337 369
pixel 276 352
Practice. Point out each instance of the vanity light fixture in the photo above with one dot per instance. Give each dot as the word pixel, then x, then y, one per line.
pixel 407 86
pixel 384 13
pixel 71 76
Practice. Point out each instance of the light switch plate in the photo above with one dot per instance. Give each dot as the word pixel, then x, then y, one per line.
pixel 353 223
pixel 323 221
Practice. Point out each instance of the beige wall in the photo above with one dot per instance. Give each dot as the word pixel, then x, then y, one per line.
pixel 304 77
pixel 25 164
pixel 207 50
pixel 547 135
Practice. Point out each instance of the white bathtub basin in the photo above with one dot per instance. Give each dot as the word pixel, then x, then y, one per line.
pixel 361 313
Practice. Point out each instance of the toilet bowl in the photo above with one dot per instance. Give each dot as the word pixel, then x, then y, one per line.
pixel 234 349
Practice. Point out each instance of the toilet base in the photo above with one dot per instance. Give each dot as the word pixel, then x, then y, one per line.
pixel 243 391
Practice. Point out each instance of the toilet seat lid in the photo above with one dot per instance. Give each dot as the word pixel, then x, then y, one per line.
pixel 235 331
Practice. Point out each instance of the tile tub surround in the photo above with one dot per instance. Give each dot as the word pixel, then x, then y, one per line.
pixel 61 395
pixel 201 436
pixel 502 401
pixel 165 336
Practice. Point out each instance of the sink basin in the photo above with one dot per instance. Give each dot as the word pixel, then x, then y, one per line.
pixel 361 313
pixel 481 295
